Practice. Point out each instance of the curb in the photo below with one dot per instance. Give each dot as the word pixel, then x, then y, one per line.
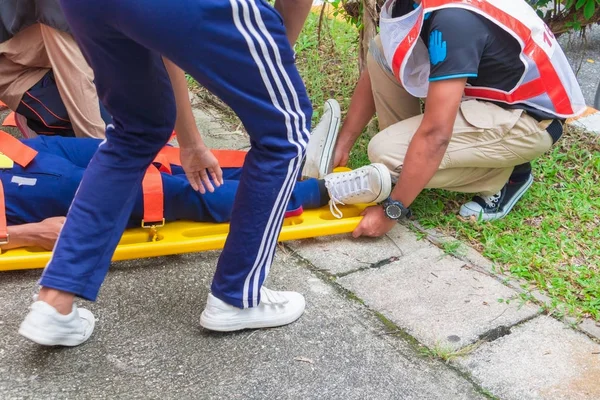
pixel 589 121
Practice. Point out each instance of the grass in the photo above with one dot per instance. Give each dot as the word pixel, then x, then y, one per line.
pixel 550 237
pixel 447 353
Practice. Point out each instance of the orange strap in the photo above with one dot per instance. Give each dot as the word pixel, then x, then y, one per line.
pixel 14 149
pixel 152 184
pixel 153 198
pixel 10 120
pixel 226 158
pixel 3 228
pixel 20 153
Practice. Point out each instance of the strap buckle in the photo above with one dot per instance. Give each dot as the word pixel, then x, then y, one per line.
pixel 153 225
pixel 4 240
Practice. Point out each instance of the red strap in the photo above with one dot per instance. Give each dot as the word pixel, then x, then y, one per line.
pixel 170 154
pixel 3 227
pixel 14 149
pixel 153 197
pixel 152 183
pixel 226 158
pixel 164 163
pixel 230 158
pixel 20 153
pixel 10 120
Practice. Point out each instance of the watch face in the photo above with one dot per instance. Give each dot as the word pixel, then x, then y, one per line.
pixel 393 211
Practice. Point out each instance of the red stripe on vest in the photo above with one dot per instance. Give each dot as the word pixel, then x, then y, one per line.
pixel 548 82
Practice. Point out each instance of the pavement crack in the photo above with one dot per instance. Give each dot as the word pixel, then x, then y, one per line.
pixel 374 265
pixel 495 333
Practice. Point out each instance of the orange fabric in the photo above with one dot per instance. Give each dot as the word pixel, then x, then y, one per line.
pixel 3 227
pixel 230 158
pixel 10 120
pixel 3 105
pixel 14 149
pixel 153 196
pixel 226 158
pixel 22 155
pixel 152 183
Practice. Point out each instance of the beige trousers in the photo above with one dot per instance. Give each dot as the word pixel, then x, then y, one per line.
pixel 28 56
pixel 487 142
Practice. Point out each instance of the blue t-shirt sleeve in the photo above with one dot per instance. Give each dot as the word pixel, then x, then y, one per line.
pixel 455 39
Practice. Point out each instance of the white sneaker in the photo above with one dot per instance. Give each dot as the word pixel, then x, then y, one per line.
pixel 46 326
pixel 275 309
pixel 319 153
pixel 369 184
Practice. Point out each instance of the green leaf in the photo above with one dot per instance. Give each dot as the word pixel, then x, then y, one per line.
pixel 590 8
pixel 580 3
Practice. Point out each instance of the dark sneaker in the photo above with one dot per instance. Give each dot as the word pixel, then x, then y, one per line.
pixel 496 206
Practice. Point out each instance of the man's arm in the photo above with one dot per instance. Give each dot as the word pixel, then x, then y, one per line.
pixel 41 234
pixel 424 154
pixel 360 112
pixel 294 13
pixel 196 158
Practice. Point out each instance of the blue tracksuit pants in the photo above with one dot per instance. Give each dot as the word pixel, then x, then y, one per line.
pixel 238 50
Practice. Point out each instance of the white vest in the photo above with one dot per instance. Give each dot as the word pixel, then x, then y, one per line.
pixel 548 82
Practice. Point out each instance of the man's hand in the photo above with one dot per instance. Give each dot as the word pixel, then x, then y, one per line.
pixel 200 164
pixel 196 158
pixel 340 156
pixel 374 223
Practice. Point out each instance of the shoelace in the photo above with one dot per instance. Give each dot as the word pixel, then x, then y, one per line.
pixel 492 201
pixel 271 297
pixel 344 188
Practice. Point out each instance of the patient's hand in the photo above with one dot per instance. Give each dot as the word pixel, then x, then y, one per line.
pixel 41 234
pixel 47 232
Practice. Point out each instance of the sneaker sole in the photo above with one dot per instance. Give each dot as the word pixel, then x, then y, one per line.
pixel 219 325
pixel 386 182
pixel 39 336
pixel 326 162
pixel 505 210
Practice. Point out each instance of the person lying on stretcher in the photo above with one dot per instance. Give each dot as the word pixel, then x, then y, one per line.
pixel 38 196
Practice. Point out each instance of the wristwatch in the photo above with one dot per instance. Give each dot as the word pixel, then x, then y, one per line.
pixel 394 209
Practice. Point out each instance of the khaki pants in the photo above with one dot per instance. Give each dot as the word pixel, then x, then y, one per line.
pixel 28 56
pixel 487 142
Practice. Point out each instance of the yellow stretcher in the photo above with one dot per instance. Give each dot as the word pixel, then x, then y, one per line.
pixel 188 237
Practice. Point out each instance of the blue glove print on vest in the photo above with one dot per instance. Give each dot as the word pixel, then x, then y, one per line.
pixel 437 48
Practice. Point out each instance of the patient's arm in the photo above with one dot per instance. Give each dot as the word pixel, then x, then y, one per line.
pixel 40 234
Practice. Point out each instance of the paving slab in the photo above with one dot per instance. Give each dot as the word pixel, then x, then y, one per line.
pixel 584 57
pixel 591 327
pixel 148 344
pixel 342 254
pixel 540 359
pixel 437 299
pixel 216 135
